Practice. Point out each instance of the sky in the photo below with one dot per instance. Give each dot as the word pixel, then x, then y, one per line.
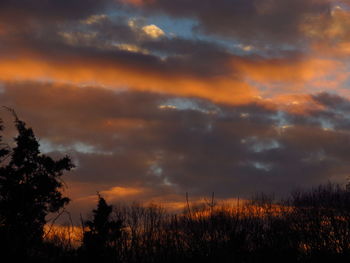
pixel 155 98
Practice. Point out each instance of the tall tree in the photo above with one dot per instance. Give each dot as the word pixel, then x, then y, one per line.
pixel 30 184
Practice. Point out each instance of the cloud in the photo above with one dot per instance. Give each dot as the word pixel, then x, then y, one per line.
pixel 254 99
pixel 332 28
pixel 153 31
pixel 119 51
pixel 266 21
pixel 189 74
pixel 17 10
pixel 191 68
pixel 156 152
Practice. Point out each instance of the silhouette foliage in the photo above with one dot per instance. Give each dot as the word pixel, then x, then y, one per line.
pixel 103 232
pixel 30 184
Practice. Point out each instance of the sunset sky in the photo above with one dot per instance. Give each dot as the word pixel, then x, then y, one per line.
pixel 156 98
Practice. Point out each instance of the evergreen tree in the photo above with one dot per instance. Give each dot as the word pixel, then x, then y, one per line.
pixel 103 232
pixel 30 184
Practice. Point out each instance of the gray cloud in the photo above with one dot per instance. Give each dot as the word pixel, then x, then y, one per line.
pixel 21 10
pixel 232 151
pixel 99 43
pixel 253 21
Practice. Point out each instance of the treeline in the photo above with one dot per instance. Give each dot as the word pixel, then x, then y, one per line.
pixel 310 226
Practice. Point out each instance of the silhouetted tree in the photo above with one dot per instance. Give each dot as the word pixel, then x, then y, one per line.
pixel 30 184
pixel 103 232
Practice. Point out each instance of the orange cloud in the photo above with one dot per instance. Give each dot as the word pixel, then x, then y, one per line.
pixel 260 81
pixel 121 192
pixel 222 89
pixel 338 50
pixel 137 2
pixel 300 76
pixel 293 73
pixel 332 26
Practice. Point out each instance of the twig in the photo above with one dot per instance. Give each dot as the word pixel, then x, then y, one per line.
pixel 188 205
pixel 53 222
